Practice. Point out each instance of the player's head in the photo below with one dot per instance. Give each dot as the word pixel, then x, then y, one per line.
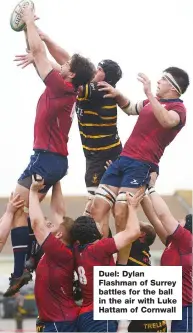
pixel 62 229
pixel 173 83
pixel 85 230
pixel 79 70
pixel 147 233
pixel 187 222
pixel 109 71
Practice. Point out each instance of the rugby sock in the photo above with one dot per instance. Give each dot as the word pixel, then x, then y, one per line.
pixel 120 264
pixel 20 239
pixel 32 241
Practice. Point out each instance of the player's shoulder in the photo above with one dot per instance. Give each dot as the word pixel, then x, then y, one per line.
pixel 173 104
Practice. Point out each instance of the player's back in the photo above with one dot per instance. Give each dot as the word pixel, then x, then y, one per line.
pixel 97 120
pixel 149 138
pixel 54 115
pixel 54 282
pixel 99 253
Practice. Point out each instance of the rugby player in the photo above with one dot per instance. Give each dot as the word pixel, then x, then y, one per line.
pixel 54 273
pixel 91 250
pixel 177 236
pixel 97 119
pixel 52 124
pixel 160 120
pixel 140 256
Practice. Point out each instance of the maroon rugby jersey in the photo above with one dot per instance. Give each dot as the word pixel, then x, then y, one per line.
pixel 54 282
pixel 149 139
pixel 179 253
pixel 99 253
pixel 54 115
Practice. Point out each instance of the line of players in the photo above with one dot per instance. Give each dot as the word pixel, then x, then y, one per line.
pixel 121 187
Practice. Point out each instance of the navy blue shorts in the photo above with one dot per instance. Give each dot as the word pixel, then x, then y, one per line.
pixel 51 167
pixel 184 325
pixel 60 326
pixel 128 172
pixel 86 323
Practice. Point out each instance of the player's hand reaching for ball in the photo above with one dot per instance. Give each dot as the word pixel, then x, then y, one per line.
pixel 24 59
pixel 28 15
pixel 146 83
pixel 135 200
pixel 37 183
pixel 111 91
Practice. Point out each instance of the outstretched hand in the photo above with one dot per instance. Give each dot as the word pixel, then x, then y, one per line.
pixel 24 60
pixel 146 83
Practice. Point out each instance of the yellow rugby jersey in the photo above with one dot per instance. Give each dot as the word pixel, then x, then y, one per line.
pixel 97 120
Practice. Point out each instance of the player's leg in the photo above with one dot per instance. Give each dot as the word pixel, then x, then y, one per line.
pixel 135 174
pixel 51 168
pixel 95 169
pixel 106 193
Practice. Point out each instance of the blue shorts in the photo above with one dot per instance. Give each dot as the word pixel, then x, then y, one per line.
pixel 86 323
pixel 60 326
pixel 50 166
pixel 184 325
pixel 128 172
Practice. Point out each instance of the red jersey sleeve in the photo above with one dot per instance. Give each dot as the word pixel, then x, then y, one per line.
pixel 57 85
pixel 182 238
pixel 180 109
pixel 56 251
pixel 145 102
pixel 103 248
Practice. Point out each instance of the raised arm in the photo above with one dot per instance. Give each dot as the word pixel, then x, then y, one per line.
pixel 168 221
pixel 123 102
pixel 167 119
pixel 36 45
pixel 58 53
pixel 132 229
pixel 15 203
pixel 153 218
pixel 57 204
pixel 36 215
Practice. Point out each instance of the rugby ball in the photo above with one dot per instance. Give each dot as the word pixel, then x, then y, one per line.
pixel 16 22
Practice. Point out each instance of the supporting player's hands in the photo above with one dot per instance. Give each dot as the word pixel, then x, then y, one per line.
pixel 146 83
pixel 135 200
pixel 108 163
pixel 111 91
pixel 15 202
pixel 153 178
pixel 37 184
pixel 24 59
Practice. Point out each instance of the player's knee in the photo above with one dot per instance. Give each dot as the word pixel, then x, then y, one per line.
pixel 120 214
pixel 105 195
pixel 87 210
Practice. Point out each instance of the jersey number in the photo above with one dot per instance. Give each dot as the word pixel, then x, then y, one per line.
pixel 82 276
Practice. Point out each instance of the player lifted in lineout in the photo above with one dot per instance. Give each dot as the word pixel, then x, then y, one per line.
pixel 52 124
pixel 160 119
pixel 97 118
